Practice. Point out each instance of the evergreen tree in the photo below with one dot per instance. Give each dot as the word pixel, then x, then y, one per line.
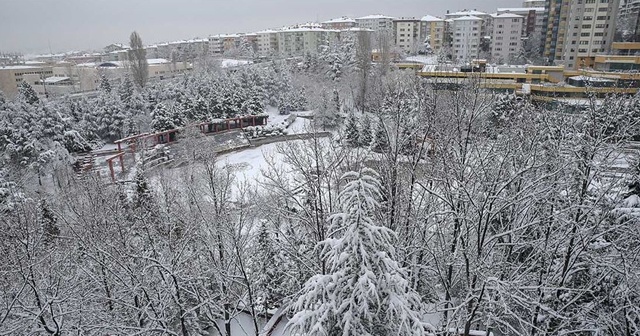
pixel 381 139
pixel 105 86
pixel 48 222
pixel 366 135
pixel 352 133
pixel 162 118
pixel 27 93
pixel 126 91
pixel 365 291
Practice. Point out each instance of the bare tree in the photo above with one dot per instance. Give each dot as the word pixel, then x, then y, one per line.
pixel 138 60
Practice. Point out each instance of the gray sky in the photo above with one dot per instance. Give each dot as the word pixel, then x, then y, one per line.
pixel 35 26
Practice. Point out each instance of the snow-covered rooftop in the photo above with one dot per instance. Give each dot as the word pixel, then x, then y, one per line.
pixel 467 12
pixel 19 67
pixel 506 16
pixel 521 9
pixel 591 79
pixel 341 20
pixel 467 18
pixel 268 31
pixel 375 16
pixel 53 80
pixel 431 18
pixel 358 29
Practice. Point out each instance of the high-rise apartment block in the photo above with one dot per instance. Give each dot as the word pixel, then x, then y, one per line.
pixel 578 30
pixel 506 36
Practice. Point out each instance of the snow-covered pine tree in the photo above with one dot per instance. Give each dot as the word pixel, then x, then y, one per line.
pixel 366 133
pixel 352 133
pixel 162 118
pixel 105 86
pixel 27 93
pixel 365 291
pixel 381 138
pixel 126 91
pixel 48 222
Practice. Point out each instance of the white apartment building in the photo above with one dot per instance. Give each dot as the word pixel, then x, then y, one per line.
pixel 590 31
pixel 406 32
pixel 506 36
pixel 376 22
pixel 267 42
pixel 466 35
pixel 533 19
pixel 215 44
pixel 432 32
pixel 300 41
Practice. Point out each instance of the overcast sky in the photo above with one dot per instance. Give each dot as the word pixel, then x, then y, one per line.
pixel 37 26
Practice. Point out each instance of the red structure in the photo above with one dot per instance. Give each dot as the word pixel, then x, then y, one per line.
pixel 152 139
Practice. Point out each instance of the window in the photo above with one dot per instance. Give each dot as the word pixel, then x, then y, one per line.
pixel 590 1
pixel 585 34
pixel 584 42
pixel 587 26
pixel 601 18
pixel 587 18
pixel 598 34
pixel 603 9
pixel 600 25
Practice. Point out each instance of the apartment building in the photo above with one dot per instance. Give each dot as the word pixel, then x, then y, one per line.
pixel 342 23
pixel 432 32
pixel 406 33
pixel 506 36
pixel 375 22
pixel 629 18
pixel 466 36
pixel 301 41
pixel 267 42
pixel 579 30
pixel 215 45
pixel 533 19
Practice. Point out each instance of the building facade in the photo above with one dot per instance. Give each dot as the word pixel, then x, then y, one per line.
pixel 466 34
pixel 376 22
pixel 406 34
pixel 432 32
pixel 12 75
pixel 267 42
pixel 577 31
pixel 506 37
pixel 339 23
pixel 301 41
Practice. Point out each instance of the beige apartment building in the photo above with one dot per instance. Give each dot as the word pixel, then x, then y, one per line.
pixel 506 36
pixel 432 32
pixel 301 41
pixel 577 31
pixel 406 33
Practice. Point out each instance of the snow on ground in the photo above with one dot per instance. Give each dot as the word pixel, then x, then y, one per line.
pixel 250 163
pixel 426 59
pixel 229 63
pixel 299 126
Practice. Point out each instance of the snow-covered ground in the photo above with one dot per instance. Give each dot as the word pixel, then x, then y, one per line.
pixel 299 126
pixel 426 59
pixel 229 63
pixel 250 163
